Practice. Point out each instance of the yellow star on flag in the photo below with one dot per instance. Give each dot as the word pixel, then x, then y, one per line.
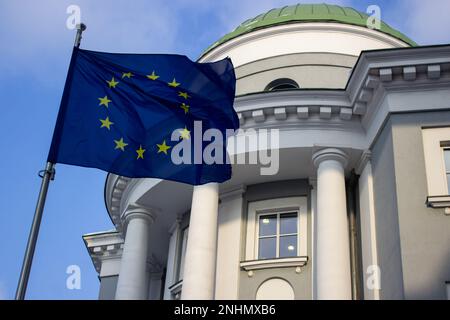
pixel 106 123
pixel 127 75
pixel 104 101
pixel 140 153
pixel 174 83
pixel 152 76
pixel 113 83
pixel 185 133
pixel 185 107
pixel 183 94
pixel 163 147
pixel 120 144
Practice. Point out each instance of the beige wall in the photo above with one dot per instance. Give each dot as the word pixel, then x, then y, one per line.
pixel 413 241
pixel 310 71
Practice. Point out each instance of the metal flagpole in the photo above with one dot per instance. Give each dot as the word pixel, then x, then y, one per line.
pixel 46 175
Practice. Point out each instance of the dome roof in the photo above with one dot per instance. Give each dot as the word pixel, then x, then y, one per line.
pixel 307 13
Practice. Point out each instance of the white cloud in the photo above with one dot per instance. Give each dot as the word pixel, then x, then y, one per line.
pixel 427 22
pixel 234 12
pixel 138 26
pixel 39 43
pixel 37 40
pixel 37 36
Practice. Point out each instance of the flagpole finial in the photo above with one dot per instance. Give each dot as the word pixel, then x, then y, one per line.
pixel 80 28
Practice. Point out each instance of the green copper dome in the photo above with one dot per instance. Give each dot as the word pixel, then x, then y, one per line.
pixel 308 13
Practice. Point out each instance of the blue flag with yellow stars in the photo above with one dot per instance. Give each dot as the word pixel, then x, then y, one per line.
pixel 147 116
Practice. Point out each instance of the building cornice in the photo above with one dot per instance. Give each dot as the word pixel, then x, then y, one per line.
pixel 115 186
pixel 403 68
pixel 104 246
pixel 376 72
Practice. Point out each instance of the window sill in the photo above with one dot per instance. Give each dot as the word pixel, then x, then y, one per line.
pixel 274 263
pixel 176 287
pixel 439 202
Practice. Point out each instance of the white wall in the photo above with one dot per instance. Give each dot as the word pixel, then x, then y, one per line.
pixel 228 247
pixel 301 37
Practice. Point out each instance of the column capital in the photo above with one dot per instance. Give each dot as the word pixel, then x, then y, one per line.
pixel 137 211
pixel 176 224
pixel 232 193
pixel 365 158
pixel 330 154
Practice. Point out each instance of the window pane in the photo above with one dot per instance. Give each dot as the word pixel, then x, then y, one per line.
pixel 448 183
pixel 267 225
pixel 183 253
pixel 267 248
pixel 447 159
pixel 288 223
pixel 285 86
pixel 288 246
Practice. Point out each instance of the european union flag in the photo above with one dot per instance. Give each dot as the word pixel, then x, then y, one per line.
pixel 147 116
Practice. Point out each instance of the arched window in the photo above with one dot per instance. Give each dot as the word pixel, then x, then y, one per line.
pixel 282 84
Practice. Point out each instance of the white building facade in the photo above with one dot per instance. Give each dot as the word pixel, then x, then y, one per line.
pixel 359 206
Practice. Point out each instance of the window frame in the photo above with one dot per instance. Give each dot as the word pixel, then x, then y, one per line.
pixel 278 234
pixel 274 85
pixel 435 140
pixel 275 205
pixel 182 243
pixel 445 149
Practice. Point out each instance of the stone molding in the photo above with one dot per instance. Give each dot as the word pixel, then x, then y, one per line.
pixel 330 154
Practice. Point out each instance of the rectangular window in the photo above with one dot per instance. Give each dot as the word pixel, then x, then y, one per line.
pixel 278 235
pixel 447 167
pixel 184 239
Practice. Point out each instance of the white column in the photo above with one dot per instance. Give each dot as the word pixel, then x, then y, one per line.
pixel 133 276
pixel 333 248
pixel 368 230
pixel 200 260
pixel 313 184
pixel 228 244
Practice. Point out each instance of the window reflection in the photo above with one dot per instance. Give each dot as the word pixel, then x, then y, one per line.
pixel 288 246
pixel 268 225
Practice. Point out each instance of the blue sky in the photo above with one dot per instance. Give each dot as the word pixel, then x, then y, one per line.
pixel 35 50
